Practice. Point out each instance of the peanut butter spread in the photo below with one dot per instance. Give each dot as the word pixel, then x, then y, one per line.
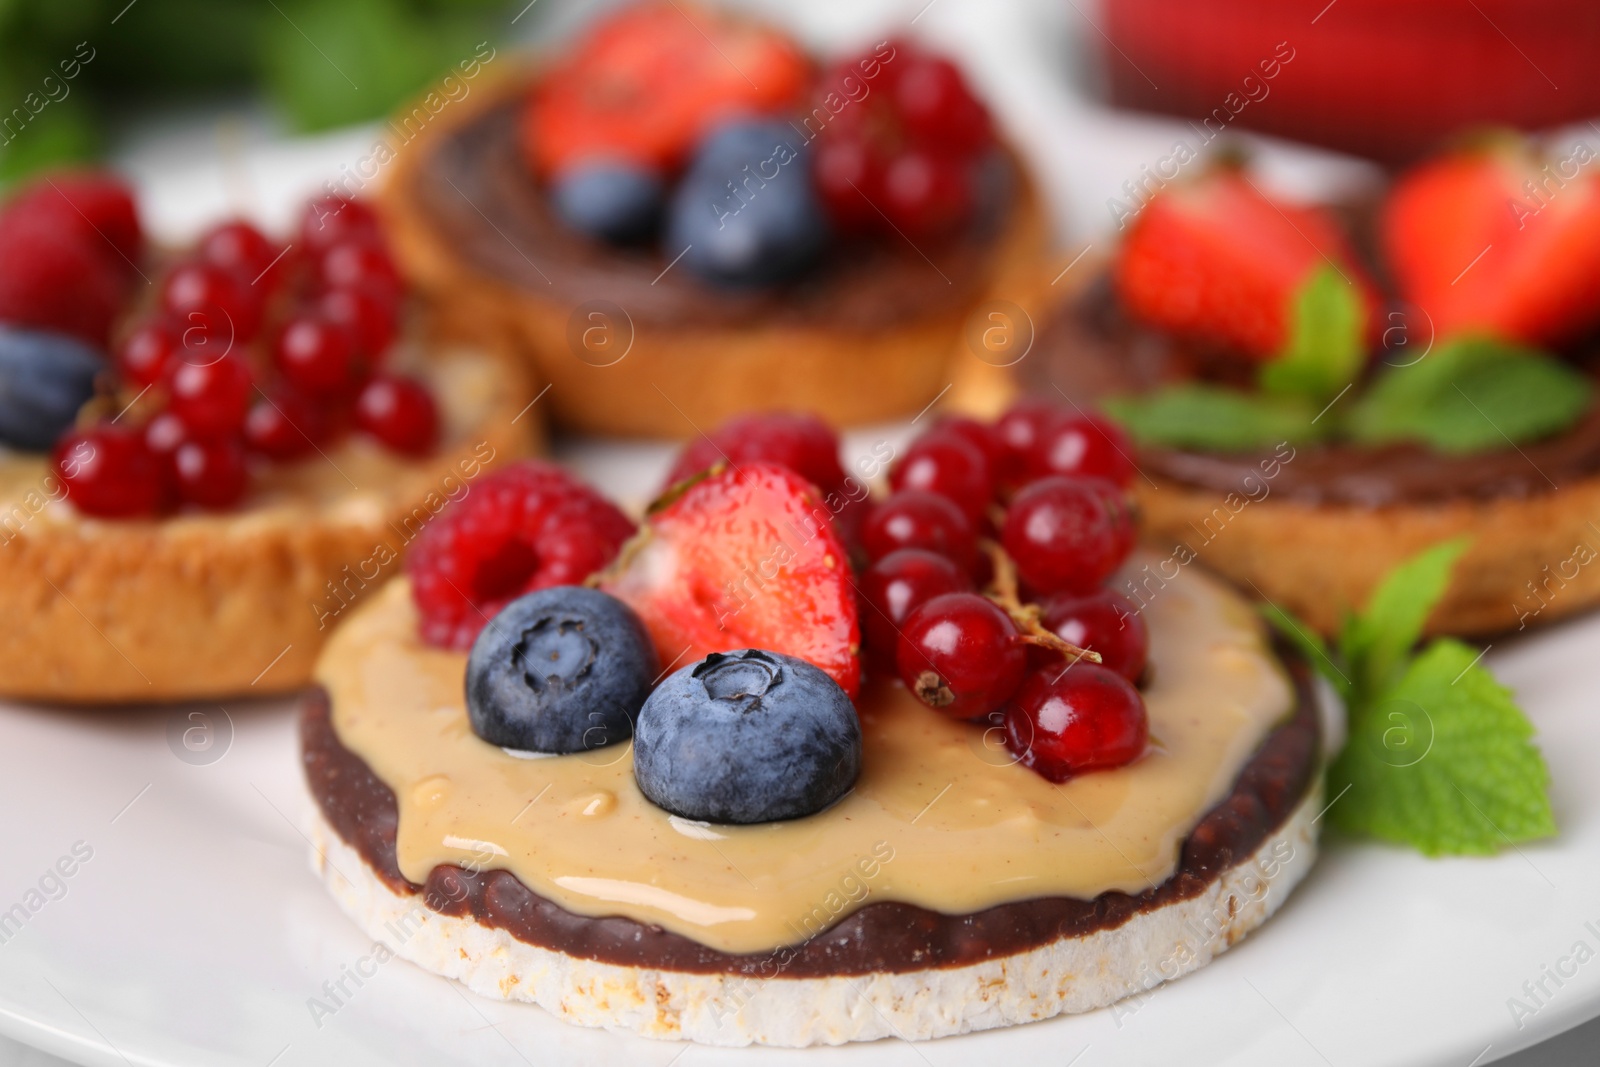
pixel 941 817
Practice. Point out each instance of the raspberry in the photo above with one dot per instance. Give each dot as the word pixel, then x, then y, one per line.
pixel 56 279
pixel 97 206
pixel 525 527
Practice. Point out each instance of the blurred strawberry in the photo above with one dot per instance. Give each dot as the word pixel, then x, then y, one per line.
pixel 647 83
pixel 1216 261
pixel 1485 239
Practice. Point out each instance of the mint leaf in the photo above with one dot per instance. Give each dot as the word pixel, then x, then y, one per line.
pixel 1472 395
pixel 1442 761
pixel 1212 418
pixel 1438 756
pixel 1324 351
pixel 1377 641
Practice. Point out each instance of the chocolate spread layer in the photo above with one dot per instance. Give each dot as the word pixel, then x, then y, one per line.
pixel 879 936
pixel 478 193
pixel 1090 349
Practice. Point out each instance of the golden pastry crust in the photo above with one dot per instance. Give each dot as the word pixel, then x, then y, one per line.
pixel 1531 559
pixel 675 381
pixel 234 604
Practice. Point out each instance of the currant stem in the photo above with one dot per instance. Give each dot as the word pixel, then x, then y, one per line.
pixel 1027 616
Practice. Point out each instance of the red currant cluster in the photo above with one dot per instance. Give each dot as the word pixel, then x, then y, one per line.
pixel 905 141
pixel 253 349
pixel 1048 485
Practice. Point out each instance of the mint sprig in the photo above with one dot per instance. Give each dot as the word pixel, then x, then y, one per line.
pixel 1325 350
pixel 1322 355
pixel 1471 395
pixel 1439 756
pixel 1213 418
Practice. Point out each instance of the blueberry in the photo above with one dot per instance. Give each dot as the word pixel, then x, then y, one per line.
pixel 746 209
pixel 44 379
pixel 612 200
pixel 746 737
pixel 563 669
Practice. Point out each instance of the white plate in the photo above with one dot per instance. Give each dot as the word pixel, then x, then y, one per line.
pixel 195 933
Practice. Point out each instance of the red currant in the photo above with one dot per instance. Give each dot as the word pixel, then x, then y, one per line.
pixel 914 518
pixel 284 425
pixel 109 472
pixel 331 220
pixel 216 301
pixel 163 434
pixel 961 654
pixel 399 412
pixel 144 355
pixel 1067 535
pixel 1088 446
pixel 1021 432
pixel 974 432
pixel 925 194
pixel 847 175
pixel 244 250
pixel 938 109
pixel 212 399
pixel 951 466
pixel 359 263
pixel 319 358
pixel 894 587
pixel 1085 718
pixel 368 313
pixel 210 473
pixel 1103 622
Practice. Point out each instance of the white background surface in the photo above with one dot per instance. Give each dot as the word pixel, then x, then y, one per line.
pixel 196 933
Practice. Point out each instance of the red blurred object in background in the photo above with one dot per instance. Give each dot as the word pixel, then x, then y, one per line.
pixel 1390 79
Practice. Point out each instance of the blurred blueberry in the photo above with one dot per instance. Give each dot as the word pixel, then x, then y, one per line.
pixel 613 200
pixel 45 378
pixel 562 669
pixel 747 737
pixel 746 209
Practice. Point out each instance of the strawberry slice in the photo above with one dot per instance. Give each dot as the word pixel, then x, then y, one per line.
pixel 745 558
pixel 1494 239
pixel 648 82
pixel 1217 262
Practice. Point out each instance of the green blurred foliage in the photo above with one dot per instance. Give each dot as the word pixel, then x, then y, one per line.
pixel 322 63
